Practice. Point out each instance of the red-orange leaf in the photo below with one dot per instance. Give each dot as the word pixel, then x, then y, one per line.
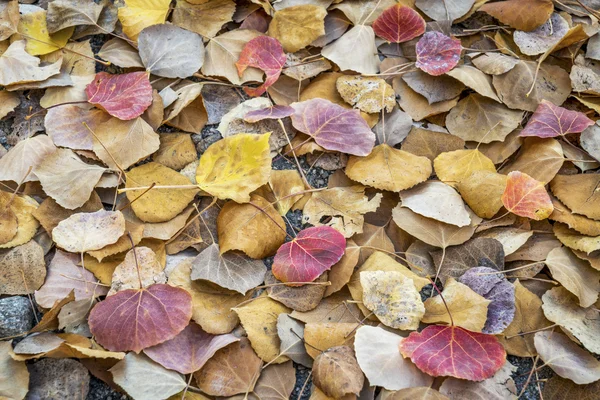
pixel 311 253
pixel 136 319
pixel 549 120
pixel 437 53
pixel 124 96
pixel 399 24
pixel 526 197
pixel 266 54
pixel 453 351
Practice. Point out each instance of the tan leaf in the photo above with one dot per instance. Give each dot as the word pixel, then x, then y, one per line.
pixel 388 168
pixel 372 238
pixel 494 63
pixel 498 152
pixel 416 105
pixel 291 333
pixel 14 375
pixel 575 275
pixel 299 298
pixel 120 53
pixel 482 191
pixel 413 393
pixel 370 95
pixel 298 26
pixel 134 228
pixel 205 19
pixel 438 201
pixel 539 158
pixel 433 88
pixel 89 231
pixel 511 238
pixel 164 230
pixel 467 308
pixel 276 382
pixel 176 150
pixel 8 102
pixel 579 193
pixel 575 240
pixel 22 269
pixel 430 144
pixel 337 373
pixel 474 79
pixel 454 166
pixel 259 319
pixel 140 266
pixel 501 386
pixel 22 207
pixel 18 66
pixel 334 308
pixel 355 50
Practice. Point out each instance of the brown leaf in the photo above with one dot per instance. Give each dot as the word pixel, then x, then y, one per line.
pixel 579 193
pixel 205 19
pixel 336 372
pixel 525 16
pixel 539 158
pixel 430 144
pixel 416 105
pixel 22 269
pixel 301 298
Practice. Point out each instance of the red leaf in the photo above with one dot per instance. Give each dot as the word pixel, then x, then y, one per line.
pixel 453 351
pixel 136 319
pixel 274 112
pixel 399 24
pixel 124 96
pixel 437 53
pixel 189 350
pixel 311 253
pixel 266 54
pixel 549 120
pixel 526 197
pixel 334 127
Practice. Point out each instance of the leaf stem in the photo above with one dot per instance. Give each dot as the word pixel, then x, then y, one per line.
pixel 443 300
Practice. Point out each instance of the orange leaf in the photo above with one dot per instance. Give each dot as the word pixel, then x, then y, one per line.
pixel 526 197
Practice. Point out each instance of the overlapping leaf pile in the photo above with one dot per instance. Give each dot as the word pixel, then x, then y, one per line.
pixel 463 150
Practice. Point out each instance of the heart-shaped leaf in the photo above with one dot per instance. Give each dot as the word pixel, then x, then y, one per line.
pixel 526 197
pixel 311 253
pixel 137 319
pixel 453 351
pixel 399 24
pixel 437 53
pixel 549 120
pixel 265 53
pixel 124 96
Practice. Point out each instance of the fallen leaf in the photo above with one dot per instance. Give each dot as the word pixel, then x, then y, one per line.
pixel 170 51
pixel 430 144
pixel 437 53
pixel 438 201
pixel 393 298
pixel 167 310
pixel 255 228
pixel 442 351
pixel 333 127
pixel 235 166
pixel 125 96
pixel 526 197
pixel 64 124
pixel 519 15
pixel 434 88
pixel 340 273
pixel 549 120
pixel 494 63
pixel 337 373
pixel 421 393
pixel 139 14
pixel 416 105
pixel 291 345
pixel 141 378
pixel 355 50
pixel 543 38
pixel 206 18
pixel 298 298
pixel 482 191
pixel 539 158
pixel 9 19
pixel 564 389
pixel 232 370
pixel 566 358
pixel 454 166
pixel 140 269
pixel 276 382
pixel 274 112
pixel 312 252
pixel 120 53
pixel 577 222
pixel 474 79
pixel 22 207
pixel 259 319
pixel 266 54
pixel 231 270
pixel 388 168
pixel 501 386
pixel 298 26
pixel 450 10
pixel 370 95
pixel 22 269
pixel 83 232
pixel 511 239
pixel 399 24
pixel 15 376
pixel 579 193
pixel 18 66
pixel 562 308
pixel 39 40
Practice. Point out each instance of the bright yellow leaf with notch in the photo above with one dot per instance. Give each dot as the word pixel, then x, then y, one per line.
pixel 235 166
pixel 33 27
pixel 140 14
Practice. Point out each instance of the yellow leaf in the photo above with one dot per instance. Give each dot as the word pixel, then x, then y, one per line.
pixel 298 26
pixel 370 95
pixel 176 150
pixel 139 14
pixel 389 169
pixel 323 335
pixel 39 41
pixel 22 207
pixel 454 166
pixel 575 240
pixel 468 309
pixel 235 166
pixel 482 191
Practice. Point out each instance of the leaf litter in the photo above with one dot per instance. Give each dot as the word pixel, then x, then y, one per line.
pixel 395 192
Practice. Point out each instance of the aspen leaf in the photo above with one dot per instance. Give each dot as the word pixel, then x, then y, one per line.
pixel 421 393
pixel 549 120
pixel 575 275
pixel 22 207
pixel 120 53
pixel 125 96
pixel 430 144
pixel 539 158
pixel 454 166
pixel 140 269
pixel 355 50
pixel 8 225
pixel 41 42
pixel 22 269
pixel 139 14
pixel 436 200
pixel 89 231
pixel 399 24
pixel 416 105
pixel 17 66
pixel 298 26
pixel 337 373
pixel 526 197
pixel 205 18
pixel 525 16
pixel 577 222
pixel 266 54
pixel 474 79
pixel 291 345
pixel 482 191
pixel 64 125
pixel 579 193
pixel 439 12
pixel 370 95
pixel 298 298
pixel 434 88
pixel 437 53
pixel 9 19
pixel 501 386
pixel 14 374
pixel 235 166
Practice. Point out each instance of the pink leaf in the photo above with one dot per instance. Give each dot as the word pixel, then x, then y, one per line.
pixel 453 351
pixel 189 350
pixel 266 54
pixel 124 96
pixel 274 112
pixel 437 53
pixel 311 253
pixel 399 24
pixel 334 127
pixel 137 319
pixel 549 120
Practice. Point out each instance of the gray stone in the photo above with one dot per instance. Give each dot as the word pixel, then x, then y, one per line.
pixel 57 379
pixel 16 316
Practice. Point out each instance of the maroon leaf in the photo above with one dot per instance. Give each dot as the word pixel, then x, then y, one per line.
pixel 334 127
pixel 274 112
pixel 549 120
pixel 311 253
pixel 189 350
pixel 453 351
pixel 137 319
pixel 399 24
pixel 266 54
pixel 124 96
pixel 437 53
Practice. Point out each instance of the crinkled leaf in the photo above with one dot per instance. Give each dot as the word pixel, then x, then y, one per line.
pixel 266 54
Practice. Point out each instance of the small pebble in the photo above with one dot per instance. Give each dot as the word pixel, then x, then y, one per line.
pixel 16 316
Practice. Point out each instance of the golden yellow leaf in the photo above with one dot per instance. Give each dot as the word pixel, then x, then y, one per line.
pixel 235 166
pixel 482 191
pixel 468 309
pixel 579 193
pixel 176 150
pixel 157 205
pixel 282 184
pixel 39 41
pixel 575 240
pixel 388 168
pixel 323 335
pixel 103 270
pixel 370 95
pixel 255 228
pixel 454 166
pixel 139 14
pixel 259 319
pixel 8 225
pixel 298 26
pixel 22 207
